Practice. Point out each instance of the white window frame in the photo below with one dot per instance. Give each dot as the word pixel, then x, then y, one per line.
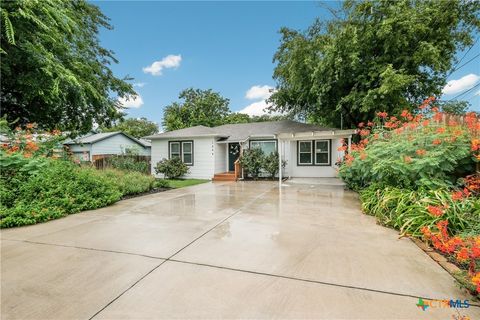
pixel 319 151
pixel 182 151
pixel 300 152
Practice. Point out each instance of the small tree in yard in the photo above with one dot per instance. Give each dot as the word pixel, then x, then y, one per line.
pixel 270 164
pixel 172 168
pixel 252 161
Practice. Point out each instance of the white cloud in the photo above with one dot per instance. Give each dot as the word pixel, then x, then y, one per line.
pixel 259 92
pixel 255 109
pixel 139 84
pixel 170 61
pixel 464 83
pixel 134 101
pixel 258 108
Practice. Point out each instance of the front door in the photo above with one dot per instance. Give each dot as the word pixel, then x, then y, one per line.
pixel 233 154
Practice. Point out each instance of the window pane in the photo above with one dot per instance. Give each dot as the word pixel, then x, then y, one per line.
pixel 266 146
pixel 175 155
pixel 175 147
pixel 305 146
pixel 187 147
pixel 187 157
pixel 321 158
pixel 305 158
pixel 322 146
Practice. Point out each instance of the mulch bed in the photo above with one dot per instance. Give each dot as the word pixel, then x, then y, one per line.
pixel 152 191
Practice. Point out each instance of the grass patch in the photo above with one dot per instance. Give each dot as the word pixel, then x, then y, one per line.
pixel 180 183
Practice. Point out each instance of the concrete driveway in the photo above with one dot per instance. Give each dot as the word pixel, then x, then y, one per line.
pixel 231 250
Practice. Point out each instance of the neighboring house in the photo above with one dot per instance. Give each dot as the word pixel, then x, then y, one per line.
pixel 93 146
pixel 310 150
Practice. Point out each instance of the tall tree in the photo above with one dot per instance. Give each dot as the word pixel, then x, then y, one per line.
pixel 375 55
pixel 199 107
pixel 137 128
pixel 54 70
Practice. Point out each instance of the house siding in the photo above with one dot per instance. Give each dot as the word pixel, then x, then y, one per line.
pixel 304 171
pixel 204 160
pixel 117 145
pixel 220 157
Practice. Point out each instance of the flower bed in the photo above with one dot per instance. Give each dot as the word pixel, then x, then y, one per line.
pixel 416 173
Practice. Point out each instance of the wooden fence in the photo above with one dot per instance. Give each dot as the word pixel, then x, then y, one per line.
pixel 105 161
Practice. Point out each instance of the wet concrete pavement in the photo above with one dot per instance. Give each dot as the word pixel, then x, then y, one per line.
pixel 221 250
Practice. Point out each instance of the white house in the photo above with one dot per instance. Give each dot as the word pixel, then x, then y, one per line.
pixel 89 147
pixel 310 150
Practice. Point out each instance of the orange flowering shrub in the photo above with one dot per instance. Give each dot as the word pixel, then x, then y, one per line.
pixel 464 251
pixel 423 148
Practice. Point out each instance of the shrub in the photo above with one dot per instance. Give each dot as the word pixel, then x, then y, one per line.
pixel 128 182
pixel 270 164
pixel 252 160
pixel 128 163
pixel 410 210
pixel 161 183
pixel 172 168
pixel 418 151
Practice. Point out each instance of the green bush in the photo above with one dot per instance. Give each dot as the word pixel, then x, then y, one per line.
pixel 62 188
pixel 172 168
pixel 252 160
pixel 128 163
pixel 162 183
pixel 270 164
pixel 393 160
pixel 407 210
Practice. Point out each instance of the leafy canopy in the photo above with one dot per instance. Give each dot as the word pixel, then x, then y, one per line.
pixel 207 108
pixel 54 70
pixel 137 128
pixel 375 55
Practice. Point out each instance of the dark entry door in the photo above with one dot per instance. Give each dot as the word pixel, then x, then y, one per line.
pixel 233 154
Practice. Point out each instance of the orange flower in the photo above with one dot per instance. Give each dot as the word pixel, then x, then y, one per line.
pixel 370 124
pixel 421 152
pixel 457 195
pixel 407 159
pixel 342 148
pixel 435 211
pixel 425 123
pixel 440 130
pixel 437 141
pixel 30 125
pixel 361 125
pixel 475 144
pixel 32 146
pixel 27 155
pixel 364 132
pixel 363 156
pixel 463 254
pixel 382 115
pixel 405 113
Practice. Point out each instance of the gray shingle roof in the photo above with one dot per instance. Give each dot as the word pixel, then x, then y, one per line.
pixel 242 131
pixel 92 138
pixel 197 131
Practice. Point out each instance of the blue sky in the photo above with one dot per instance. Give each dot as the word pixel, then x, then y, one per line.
pixel 225 46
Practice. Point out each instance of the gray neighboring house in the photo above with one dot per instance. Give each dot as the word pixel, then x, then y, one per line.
pixel 310 150
pixel 92 146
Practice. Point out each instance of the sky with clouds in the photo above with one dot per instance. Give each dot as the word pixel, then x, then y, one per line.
pixel 226 46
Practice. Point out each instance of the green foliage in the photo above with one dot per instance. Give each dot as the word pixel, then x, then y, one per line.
pixel 375 55
pixel 200 107
pixel 454 107
pixel 406 209
pixel 172 168
pixel 395 162
pixel 137 128
pixel 128 163
pixel 270 164
pixel 61 188
pixel 252 160
pixel 181 183
pixel 55 72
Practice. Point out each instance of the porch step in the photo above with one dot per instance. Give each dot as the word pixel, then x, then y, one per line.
pixel 226 176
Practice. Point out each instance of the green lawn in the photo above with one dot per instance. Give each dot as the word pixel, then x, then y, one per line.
pixel 180 183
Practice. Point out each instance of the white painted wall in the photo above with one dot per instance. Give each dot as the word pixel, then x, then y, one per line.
pixel 203 156
pixel 294 170
pixel 117 145
pixel 220 157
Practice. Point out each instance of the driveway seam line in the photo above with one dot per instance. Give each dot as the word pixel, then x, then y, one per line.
pixel 86 248
pixel 183 248
pixel 309 280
